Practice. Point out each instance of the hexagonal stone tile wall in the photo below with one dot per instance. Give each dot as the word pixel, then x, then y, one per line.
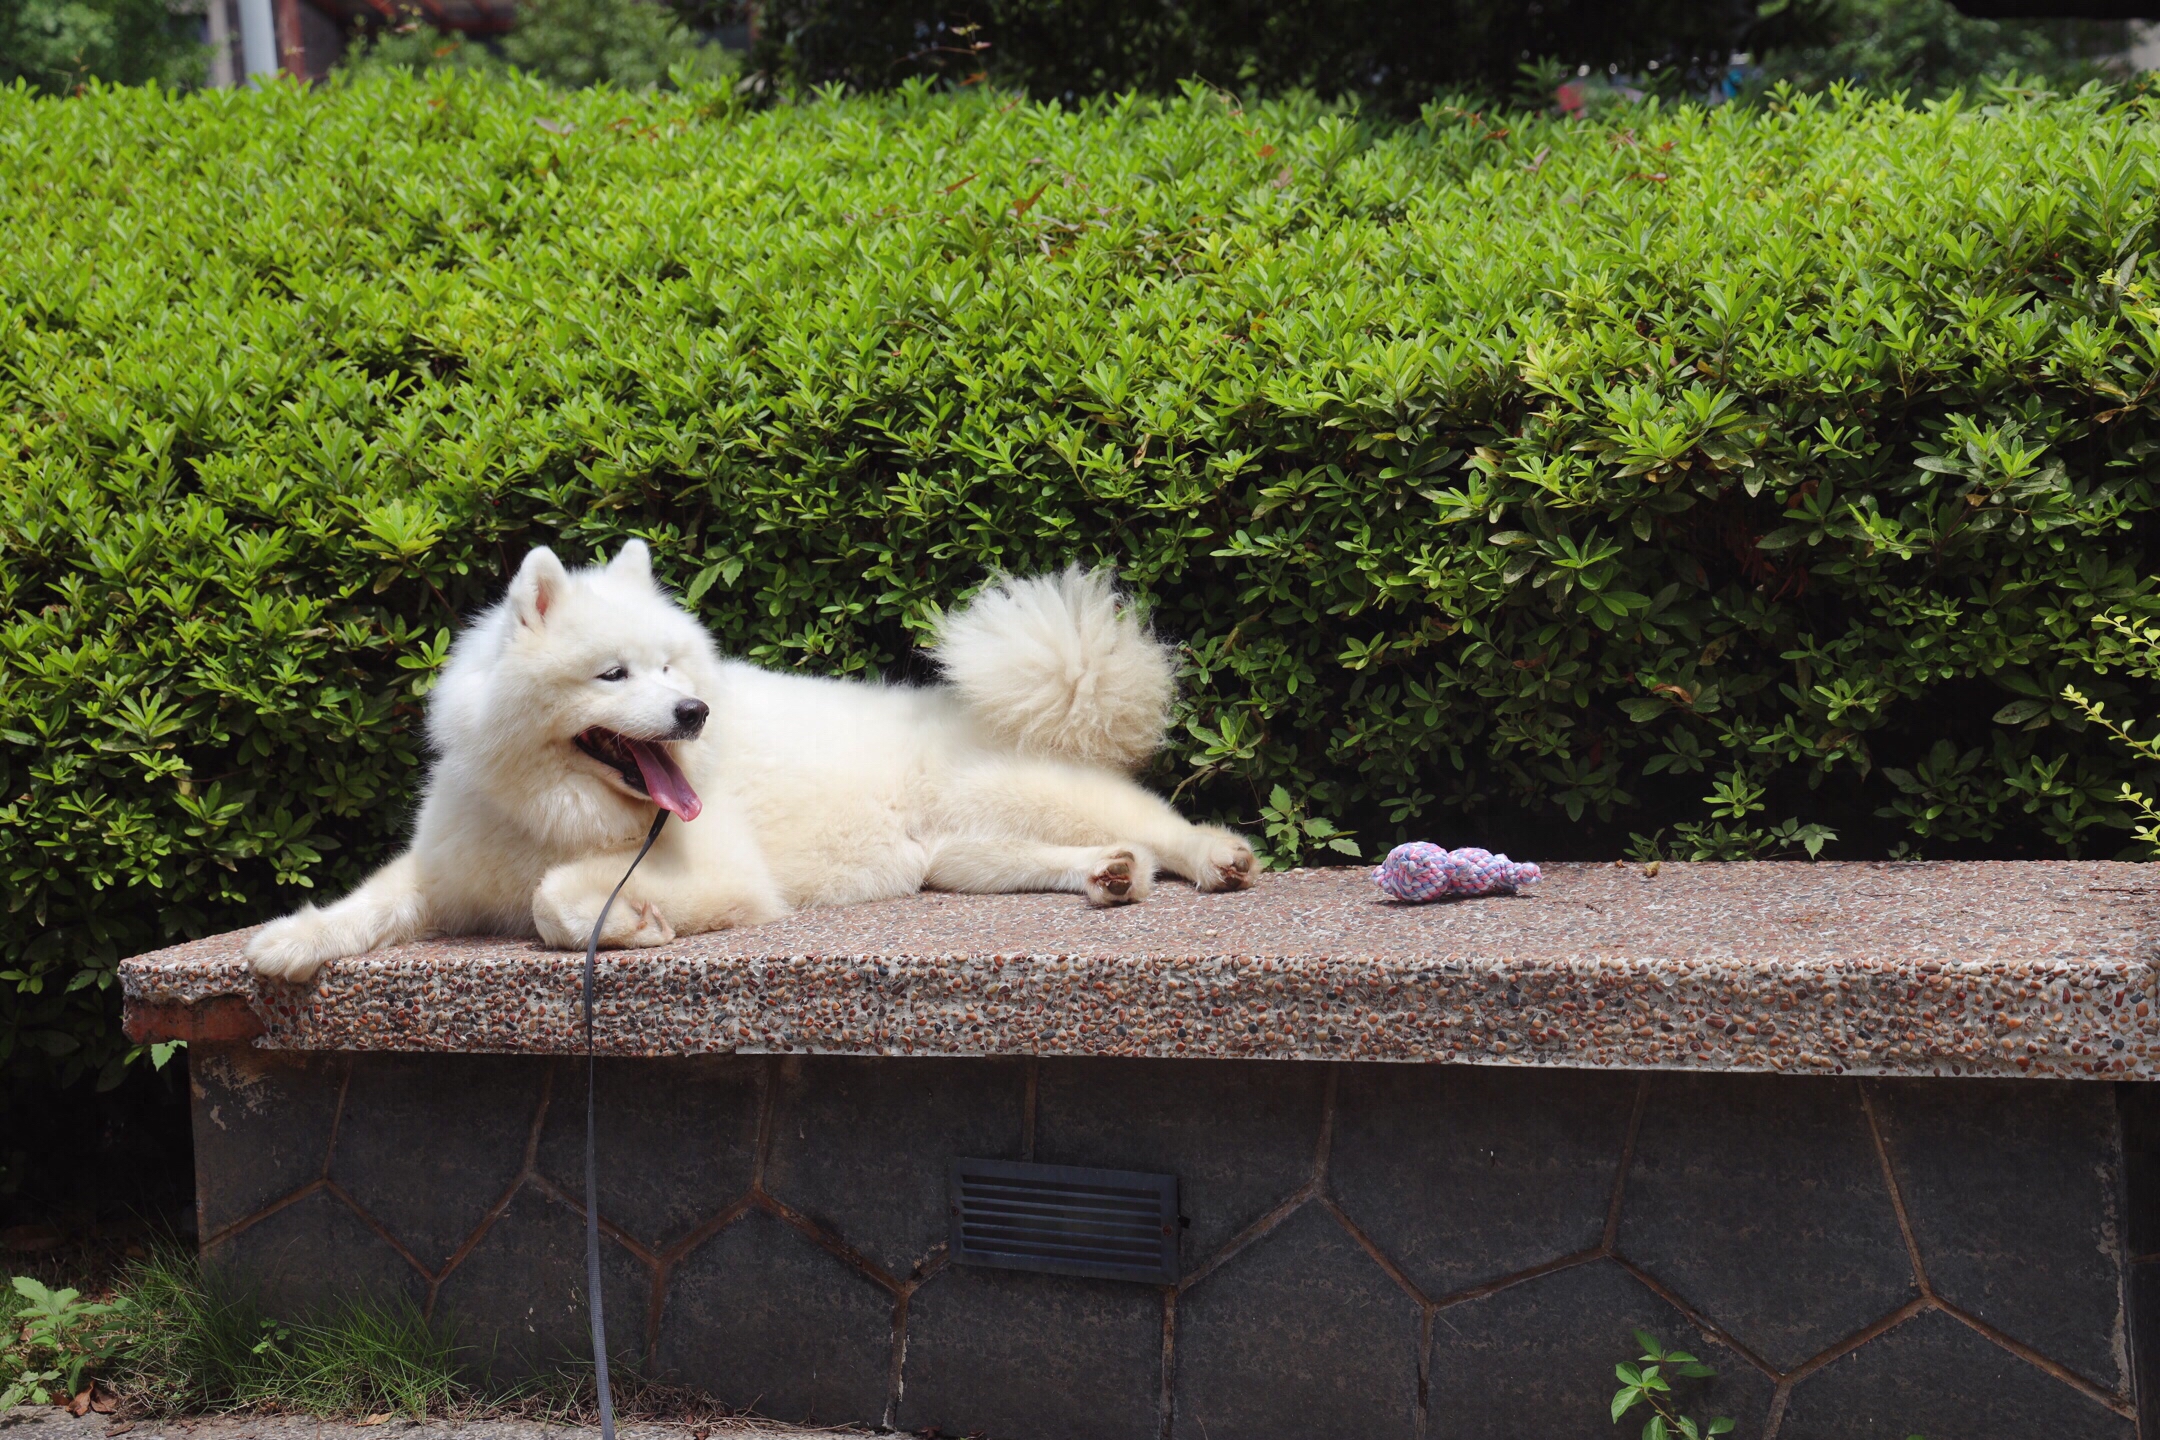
pixel 1763 1201
pixel 1369 1250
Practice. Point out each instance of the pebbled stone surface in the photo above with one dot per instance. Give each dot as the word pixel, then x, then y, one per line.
pixel 2039 968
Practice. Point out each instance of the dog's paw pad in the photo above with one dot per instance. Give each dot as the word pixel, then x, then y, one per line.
pixel 1228 865
pixel 1119 878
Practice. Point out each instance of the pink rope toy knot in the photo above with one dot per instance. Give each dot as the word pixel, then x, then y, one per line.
pixel 1420 871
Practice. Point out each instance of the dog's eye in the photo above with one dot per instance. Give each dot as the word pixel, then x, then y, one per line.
pixel 613 672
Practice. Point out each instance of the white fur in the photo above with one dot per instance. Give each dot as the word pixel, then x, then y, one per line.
pixel 815 792
pixel 1055 667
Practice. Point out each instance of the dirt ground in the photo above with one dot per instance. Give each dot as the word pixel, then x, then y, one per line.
pixel 50 1422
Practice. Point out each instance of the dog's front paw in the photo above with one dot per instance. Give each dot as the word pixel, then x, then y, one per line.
pixel 1120 876
pixel 1225 861
pixel 564 919
pixel 293 948
pixel 650 928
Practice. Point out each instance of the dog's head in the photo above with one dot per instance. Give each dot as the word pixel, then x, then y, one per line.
pixel 589 678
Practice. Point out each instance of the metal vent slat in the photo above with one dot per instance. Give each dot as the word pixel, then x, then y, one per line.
pixel 1113 1224
pixel 1142 1245
pixel 1094 1194
pixel 1023 1245
pixel 1056 1214
pixel 1068 1233
pixel 996 1194
pixel 1016 1183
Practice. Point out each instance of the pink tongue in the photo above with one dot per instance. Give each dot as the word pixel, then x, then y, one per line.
pixel 664 780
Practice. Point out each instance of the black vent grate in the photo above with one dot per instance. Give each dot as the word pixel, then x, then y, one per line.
pixel 1113 1224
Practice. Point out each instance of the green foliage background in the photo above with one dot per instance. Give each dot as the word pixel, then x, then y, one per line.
pixel 1505 480
pixel 1392 55
pixel 1926 46
pixel 1395 55
pixel 629 44
pixel 57 45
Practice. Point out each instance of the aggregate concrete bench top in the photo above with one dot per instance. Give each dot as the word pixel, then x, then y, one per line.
pixel 2028 969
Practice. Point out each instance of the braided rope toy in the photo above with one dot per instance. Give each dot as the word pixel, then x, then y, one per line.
pixel 1420 871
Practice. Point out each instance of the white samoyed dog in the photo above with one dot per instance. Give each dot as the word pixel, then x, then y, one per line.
pixel 584 699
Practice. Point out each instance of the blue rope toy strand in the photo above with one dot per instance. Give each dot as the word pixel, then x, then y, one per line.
pixel 1418 872
pixel 592 1169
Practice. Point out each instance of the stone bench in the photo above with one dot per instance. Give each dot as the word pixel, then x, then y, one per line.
pixel 1877 1141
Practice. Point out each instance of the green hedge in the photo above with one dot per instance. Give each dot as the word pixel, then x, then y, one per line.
pixel 1508 481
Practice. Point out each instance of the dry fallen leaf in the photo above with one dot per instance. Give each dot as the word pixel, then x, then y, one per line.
pixel 373 1420
pixel 80 1405
pixel 1651 868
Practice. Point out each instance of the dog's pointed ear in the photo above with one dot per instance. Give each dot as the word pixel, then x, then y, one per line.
pixel 537 585
pixel 632 562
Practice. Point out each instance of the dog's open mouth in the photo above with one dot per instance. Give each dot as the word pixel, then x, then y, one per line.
pixel 645 767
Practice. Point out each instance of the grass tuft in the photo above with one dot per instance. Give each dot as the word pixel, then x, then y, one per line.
pixel 202 1345
pixel 169 1340
pixel 199 1344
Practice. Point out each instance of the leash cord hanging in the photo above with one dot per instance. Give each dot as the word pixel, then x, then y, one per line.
pixel 592 1182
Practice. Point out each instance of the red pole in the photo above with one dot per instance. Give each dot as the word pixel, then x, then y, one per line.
pixel 292 46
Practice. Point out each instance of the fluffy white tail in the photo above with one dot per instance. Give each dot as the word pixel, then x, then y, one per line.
pixel 1059 666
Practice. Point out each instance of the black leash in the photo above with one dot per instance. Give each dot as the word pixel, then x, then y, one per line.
pixel 592 1183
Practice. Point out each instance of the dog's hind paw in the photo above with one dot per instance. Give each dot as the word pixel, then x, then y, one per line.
pixel 293 948
pixel 1225 862
pixel 1120 876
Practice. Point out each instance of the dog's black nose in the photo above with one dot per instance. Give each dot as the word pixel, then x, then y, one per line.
pixel 690 715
